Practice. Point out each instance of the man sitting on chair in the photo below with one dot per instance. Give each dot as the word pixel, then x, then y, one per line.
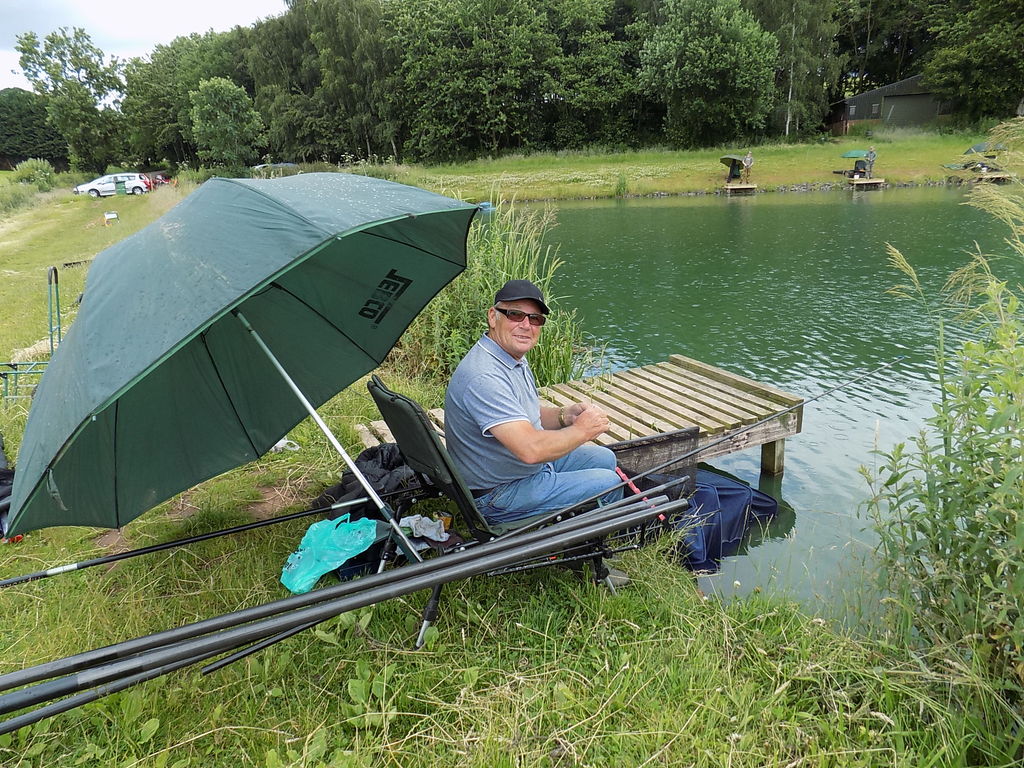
pixel 518 458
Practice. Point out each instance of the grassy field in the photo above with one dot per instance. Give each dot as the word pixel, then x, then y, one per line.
pixel 525 670
pixel 904 157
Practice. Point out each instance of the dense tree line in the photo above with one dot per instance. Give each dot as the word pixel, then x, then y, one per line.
pixel 24 130
pixel 437 80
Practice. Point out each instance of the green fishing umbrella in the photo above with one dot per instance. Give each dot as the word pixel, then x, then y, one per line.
pixel 729 159
pixel 204 338
pixel 853 153
pixel 985 148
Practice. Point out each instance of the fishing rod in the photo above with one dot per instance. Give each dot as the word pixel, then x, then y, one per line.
pixel 203 647
pixel 170 544
pixel 175 635
pixel 430 611
pixel 700 449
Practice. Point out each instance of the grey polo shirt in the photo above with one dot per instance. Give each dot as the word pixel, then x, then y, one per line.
pixel 489 387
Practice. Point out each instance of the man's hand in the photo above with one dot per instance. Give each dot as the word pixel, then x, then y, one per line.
pixel 588 417
pixel 584 422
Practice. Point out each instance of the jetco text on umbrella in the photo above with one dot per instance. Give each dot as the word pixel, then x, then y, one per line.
pixel 384 297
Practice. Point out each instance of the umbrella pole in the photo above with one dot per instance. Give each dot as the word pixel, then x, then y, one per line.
pixel 389 515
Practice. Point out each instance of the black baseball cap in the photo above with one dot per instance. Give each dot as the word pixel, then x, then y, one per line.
pixel 514 290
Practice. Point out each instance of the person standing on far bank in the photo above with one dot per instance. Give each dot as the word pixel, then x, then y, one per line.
pixel 870 157
pixel 748 161
pixel 520 459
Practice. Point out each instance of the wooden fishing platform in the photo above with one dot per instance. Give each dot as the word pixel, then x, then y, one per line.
pixel 995 177
pixel 659 411
pixel 740 189
pixel 865 183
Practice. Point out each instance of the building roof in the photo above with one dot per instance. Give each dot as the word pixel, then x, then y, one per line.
pixel 908 86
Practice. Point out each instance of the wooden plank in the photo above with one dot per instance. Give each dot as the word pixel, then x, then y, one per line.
pixel 695 394
pixel 366 436
pixel 650 398
pixel 773 457
pixel 558 398
pixel 740 399
pixel 740 382
pixel 763 433
pixel 635 456
pixel 437 416
pixel 650 422
pixel 381 428
pixel 622 414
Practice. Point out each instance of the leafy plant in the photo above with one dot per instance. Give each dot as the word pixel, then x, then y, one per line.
pixel 506 245
pixel 948 506
pixel 36 171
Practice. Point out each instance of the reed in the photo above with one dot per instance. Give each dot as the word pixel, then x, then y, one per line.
pixel 503 245
pixel 947 505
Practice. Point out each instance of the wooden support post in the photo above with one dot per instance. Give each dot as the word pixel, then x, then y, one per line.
pixel 773 456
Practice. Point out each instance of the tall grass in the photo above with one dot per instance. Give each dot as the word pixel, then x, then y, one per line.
pixel 503 245
pixel 948 505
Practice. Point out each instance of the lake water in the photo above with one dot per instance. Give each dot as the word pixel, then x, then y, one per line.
pixel 788 289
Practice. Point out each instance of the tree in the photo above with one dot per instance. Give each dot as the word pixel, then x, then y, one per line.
pixel 474 74
pixel 714 66
pixel 359 60
pixel 157 103
pixel 591 82
pixel 24 130
pixel 978 57
pixel 225 124
pixel 288 74
pixel 809 64
pixel 81 89
pixel 881 42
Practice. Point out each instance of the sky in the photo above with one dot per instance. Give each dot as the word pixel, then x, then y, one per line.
pixel 122 28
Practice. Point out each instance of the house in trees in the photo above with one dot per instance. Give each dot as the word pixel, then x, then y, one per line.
pixel 905 102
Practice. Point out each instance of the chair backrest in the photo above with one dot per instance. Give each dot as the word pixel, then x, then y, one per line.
pixel 425 453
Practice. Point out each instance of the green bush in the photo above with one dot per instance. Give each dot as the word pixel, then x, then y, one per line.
pixel 505 245
pixel 203 173
pixel 948 507
pixel 37 172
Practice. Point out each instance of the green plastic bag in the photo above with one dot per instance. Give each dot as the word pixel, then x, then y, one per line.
pixel 325 546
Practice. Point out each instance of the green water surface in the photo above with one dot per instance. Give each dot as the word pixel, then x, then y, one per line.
pixel 789 289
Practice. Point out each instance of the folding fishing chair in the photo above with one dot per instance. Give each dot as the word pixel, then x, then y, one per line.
pixel 425 453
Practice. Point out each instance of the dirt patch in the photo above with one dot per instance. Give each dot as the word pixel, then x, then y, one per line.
pixel 273 501
pixel 112 541
pixel 183 508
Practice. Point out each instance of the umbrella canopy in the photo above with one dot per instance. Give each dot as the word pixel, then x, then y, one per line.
pixel 158 385
pixel 985 147
pixel 855 153
pixel 729 159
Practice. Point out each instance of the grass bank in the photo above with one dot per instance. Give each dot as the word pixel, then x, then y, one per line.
pixel 904 157
pixel 526 670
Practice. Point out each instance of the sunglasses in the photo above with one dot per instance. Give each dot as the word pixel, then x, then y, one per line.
pixel 517 316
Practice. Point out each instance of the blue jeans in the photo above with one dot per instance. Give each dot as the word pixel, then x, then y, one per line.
pixel 578 475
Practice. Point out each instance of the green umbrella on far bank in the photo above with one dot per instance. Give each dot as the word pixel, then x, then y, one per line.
pixel 207 336
pixel 985 148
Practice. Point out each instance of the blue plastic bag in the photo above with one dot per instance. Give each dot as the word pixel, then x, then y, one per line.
pixel 325 546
